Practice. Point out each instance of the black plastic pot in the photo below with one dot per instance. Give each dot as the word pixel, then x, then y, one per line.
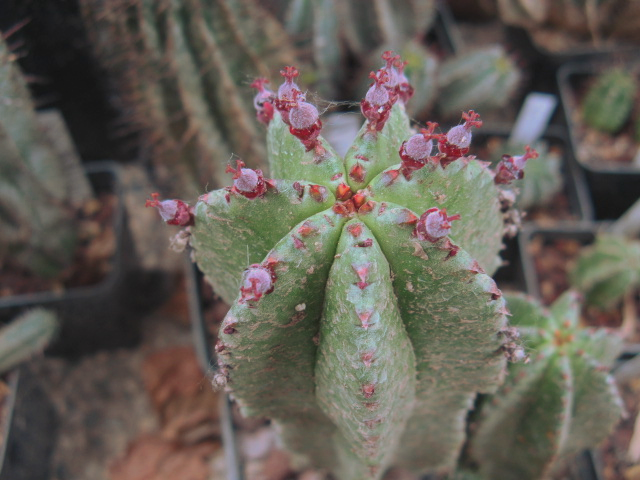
pixel 32 431
pixel 97 316
pixel 530 48
pixel 614 187
pixel 203 342
pixel 583 232
pixel 7 409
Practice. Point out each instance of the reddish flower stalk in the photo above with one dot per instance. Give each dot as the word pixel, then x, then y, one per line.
pixel 173 212
pixel 511 168
pixel 263 101
pixel 456 143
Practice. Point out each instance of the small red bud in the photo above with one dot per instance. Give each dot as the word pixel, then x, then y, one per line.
pixel 318 193
pixel 343 192
pixel 247 182
pixel 357 173
pixel 456 143
pixel 434 225
pixel 511 168
pixel 257 281
pixel 173 212
pixel 263 101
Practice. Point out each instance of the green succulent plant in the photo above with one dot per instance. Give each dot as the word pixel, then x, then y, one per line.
pixel 607 270
pixel 363 319
pixel 26 335
pixel 178 72
pixel 561 402
pixel 610 99
pixel 41 187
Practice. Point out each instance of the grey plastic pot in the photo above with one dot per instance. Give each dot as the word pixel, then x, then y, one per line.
pixel 614 187
pixel 97 316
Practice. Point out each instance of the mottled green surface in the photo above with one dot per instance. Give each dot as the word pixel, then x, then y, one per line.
pixel 563 401
pixel 378 356
pixel 379 150
pixel 371 347
pixel 288 158
pixel 228 236
pixel 464 188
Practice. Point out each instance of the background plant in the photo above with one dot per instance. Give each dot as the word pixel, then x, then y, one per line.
pixel 42 184
pixel 560 403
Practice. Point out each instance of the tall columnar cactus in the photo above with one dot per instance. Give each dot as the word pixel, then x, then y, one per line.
pixel 607 270
pixel 40 186
pixel 363 320
pixel 561 402
pixel 180 70
pixel 609 102
pixel 25 336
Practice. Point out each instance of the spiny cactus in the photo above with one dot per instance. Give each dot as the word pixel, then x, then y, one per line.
pixel 482 78
pixel 334 32
pixel 180 71
pixel 363 320
pixel 607 270
pixel 40 186
pixel 609 102
pixel 561 402
pixel 26 335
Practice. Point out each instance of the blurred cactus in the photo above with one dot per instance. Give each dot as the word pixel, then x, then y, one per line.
pixel 607 270
pixel 332 33
pixel 560 403
pixel 483 79
pixel 180 73
pixel 356 323
pixel 609 101
pixel 25 336
pixel 41 186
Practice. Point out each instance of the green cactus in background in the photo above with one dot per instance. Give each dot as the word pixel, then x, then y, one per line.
pixel 180 70
pixel 560 403
pixel 485 78
pixel 26 335
pixel 363 320
pixel 41 187
pixel 334 32
pixel 607 270
pixel 609 102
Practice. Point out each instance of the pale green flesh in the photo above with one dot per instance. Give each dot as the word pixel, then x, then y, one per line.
pixel 296 354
